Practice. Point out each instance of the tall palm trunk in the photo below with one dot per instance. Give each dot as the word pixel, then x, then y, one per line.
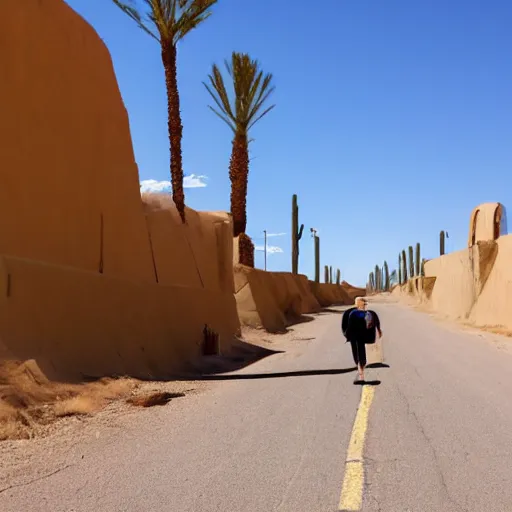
pixel 239 175
pixel 175 127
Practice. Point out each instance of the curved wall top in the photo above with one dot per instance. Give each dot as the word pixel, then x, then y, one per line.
pixel 488 221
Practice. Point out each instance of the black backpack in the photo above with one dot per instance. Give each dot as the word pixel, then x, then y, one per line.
pixel 344 320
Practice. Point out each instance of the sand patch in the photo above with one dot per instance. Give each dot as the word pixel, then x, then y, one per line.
pixel 29 401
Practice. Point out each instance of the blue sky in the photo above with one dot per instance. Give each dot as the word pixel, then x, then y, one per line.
pixel 393 119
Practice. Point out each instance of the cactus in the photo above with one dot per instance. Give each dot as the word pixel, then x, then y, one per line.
pixel 326 274
pixel 330 275
pixel 317 259
pixel 422 270
pixel 296 235
pixel 404 267
pixel 338 277
pixel 386 277
pixel 441 243
pixel 411 261
pixel 399 269
pixel 418 259
pixel 377 278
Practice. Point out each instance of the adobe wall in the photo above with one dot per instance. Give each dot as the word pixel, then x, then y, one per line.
pixel 82 254
pixel 454 291
pixel 473 285
pixel 275 300
pixel 70 190
pixel 272 300
pixel 494 304
pixel 197 254
pixel 78 323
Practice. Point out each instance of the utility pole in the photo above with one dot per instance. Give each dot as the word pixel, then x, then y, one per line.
pixel 317 253
pixel 265 232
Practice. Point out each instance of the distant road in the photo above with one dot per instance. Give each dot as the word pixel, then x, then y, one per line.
pixel 439 436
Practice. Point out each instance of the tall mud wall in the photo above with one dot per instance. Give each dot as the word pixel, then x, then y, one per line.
pixel 275 300
pixel 473 285
pixel 70 188
pixel 92 281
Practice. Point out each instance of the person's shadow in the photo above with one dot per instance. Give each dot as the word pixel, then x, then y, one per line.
pixel 367 383
pixel 378 365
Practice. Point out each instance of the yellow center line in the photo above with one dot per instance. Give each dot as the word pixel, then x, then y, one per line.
pixel 352 490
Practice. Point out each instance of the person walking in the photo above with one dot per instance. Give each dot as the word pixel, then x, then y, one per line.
pixel 361 327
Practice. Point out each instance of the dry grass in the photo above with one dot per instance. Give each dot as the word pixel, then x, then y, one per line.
pixel 496 329
pixel 152 399
pixel 28 400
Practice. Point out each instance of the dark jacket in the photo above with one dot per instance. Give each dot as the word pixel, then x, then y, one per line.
pixel 355 328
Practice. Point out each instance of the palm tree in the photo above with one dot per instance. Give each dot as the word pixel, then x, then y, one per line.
pixel 241 111
pixel 169 21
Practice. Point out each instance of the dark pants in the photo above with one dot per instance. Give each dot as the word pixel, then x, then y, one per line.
pixel 359 352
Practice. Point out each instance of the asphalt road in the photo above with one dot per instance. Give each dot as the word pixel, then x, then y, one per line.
pixel 274 436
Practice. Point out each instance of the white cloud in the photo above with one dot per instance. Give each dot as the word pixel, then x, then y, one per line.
pixel 275 234
pixel 271 249
pixel 190 181
pixel 155 186
pixel 194 181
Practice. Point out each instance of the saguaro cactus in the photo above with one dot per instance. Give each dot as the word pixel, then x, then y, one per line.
pixel 338 277
pixel 377 278
pixel 386 276
pixel 399 269
pixel 422 270
pixel 404 267
pixel 441 243
pixel 418 259
pixel 317 259
pixel 411 261
pixel 296 235
pixel 330 275
pixel 370 283
pixel 326 274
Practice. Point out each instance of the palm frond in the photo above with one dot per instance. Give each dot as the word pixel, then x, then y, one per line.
pixel 192 13
pixel 224 118
pixel 219 94
pixel 221 99
pixel 263 114
pixel 173 19
pixel 135 16
pixel 251 90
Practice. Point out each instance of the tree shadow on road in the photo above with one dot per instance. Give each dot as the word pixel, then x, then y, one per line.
pixel 276 375
pixel 378 365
